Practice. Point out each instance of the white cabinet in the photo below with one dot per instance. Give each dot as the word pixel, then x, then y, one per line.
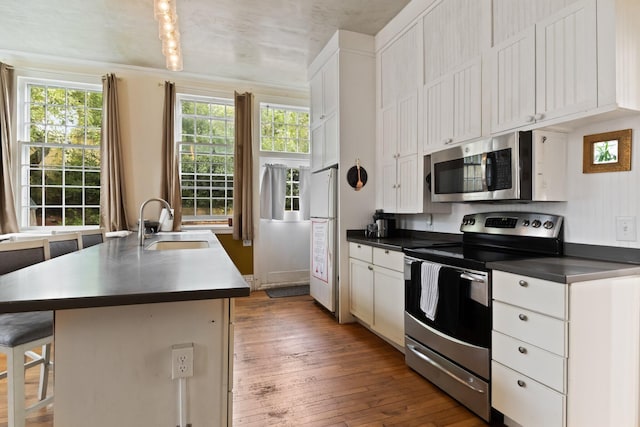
pixel 377 290
pixel 398 125
pixel 324 115
pixel 401 174
pixel 548 71
pixel 453 107
pixel 562 354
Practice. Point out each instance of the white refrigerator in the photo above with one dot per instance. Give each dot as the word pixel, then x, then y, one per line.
pixel 323 208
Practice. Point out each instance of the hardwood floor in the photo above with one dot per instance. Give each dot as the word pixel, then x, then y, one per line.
pixel 295 366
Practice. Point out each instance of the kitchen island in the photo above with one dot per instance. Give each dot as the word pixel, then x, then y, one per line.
pixel 119 309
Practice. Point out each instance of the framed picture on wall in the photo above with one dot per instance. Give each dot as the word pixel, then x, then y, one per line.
pixel 607 152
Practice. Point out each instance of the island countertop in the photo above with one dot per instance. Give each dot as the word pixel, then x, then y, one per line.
pixel 120 272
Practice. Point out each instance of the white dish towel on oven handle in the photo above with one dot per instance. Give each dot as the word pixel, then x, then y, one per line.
pixel 429 273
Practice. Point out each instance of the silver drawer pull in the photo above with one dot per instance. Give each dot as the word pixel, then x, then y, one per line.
pixel 522 350
pixel 359 246
pixel 370 267
pixel 386 251
pixel 523 283
pixel 521 383
pixel 522 317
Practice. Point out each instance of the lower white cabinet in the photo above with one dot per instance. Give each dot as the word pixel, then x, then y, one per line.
pixel 566 355
pixel 376 277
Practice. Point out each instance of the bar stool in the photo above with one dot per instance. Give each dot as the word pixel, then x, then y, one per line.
pixel 22 332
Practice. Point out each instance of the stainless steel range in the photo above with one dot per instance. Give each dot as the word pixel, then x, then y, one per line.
pixel 448 299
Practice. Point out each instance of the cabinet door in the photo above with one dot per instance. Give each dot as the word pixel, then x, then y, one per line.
pixel 566 78
pixel 407 125
pixel 388 306
pixel 513 81
pixel 330 86
pixel 316 88
pixel 389 186
pixel 438 114
pixel 400 68
pixel 361 290
pixel 317 147
pixel 331 141
pixel 466 88
pixel 408 189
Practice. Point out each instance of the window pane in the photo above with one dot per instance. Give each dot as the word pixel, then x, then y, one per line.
pixel 205 177
pixel 71 118
pixel 284 129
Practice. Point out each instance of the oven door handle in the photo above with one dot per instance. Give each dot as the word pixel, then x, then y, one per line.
pixel 473 277
pixel 441 368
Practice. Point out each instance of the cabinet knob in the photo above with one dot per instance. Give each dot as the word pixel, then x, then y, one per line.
pixel 398 186
pixel 539 116
pixel 322 116
pixel 370 267
pixel 386 251
pixel 521 383
pixel 448 141
pixel 523 283
pixel 529 119
pixel 522 317
pixel 522 350
pixel 359 246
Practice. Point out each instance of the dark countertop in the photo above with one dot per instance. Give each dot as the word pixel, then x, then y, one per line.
pixel 404 239
pixel 566 269
pixel 582 262
pixel 119 272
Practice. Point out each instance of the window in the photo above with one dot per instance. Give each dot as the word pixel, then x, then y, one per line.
pixel 59 143
pixel 284 129
pixel 206 143
pixel 292 197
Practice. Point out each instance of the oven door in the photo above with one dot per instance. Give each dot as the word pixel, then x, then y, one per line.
pixel 463 311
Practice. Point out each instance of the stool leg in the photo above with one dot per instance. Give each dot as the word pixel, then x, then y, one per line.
pixel 15 388
pixel 44 371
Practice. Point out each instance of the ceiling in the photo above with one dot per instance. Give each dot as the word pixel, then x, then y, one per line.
pixel 266 41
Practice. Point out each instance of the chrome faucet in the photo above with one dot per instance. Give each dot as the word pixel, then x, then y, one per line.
pixel 141 220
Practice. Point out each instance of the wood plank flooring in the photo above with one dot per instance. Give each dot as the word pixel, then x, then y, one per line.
pixel 295 366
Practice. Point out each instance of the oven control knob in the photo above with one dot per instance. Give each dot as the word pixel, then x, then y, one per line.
pixel 548 225
pixel 525 223
pixel 536 223
pixel 472 221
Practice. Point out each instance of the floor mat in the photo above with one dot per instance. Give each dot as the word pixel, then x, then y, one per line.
pixel 288 291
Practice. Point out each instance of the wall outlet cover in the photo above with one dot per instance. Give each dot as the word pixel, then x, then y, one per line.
pixel 626 228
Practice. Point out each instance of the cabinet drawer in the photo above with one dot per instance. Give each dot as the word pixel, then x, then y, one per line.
pixel 393 260
pixel 361 252
pixel 534 328
pixel 524 400
pixel 541 365
pixel 534 294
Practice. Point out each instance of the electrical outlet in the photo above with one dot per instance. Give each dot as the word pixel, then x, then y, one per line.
pixel 182 361
pixel 626 228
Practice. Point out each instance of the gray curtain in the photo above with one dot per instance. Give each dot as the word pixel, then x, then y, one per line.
pixel 170 174
pixel 113 215
pixel 243 164
pixel 273 191
pixel 8 217
pixel 305 192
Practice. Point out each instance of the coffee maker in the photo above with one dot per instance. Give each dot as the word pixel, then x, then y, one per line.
pixel 384 225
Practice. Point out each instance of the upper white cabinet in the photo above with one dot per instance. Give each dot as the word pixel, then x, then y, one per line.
pixel 453 107
pixel 398 126
pixel 455 34
pixel 324 117
pixel 547 71
pixel 572 61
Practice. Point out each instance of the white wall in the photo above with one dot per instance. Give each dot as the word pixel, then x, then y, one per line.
pixel 594 200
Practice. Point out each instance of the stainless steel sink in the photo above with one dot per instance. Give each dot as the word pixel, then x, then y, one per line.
pixel 164 245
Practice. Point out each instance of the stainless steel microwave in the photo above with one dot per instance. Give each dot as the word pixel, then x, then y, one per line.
pixel 519 166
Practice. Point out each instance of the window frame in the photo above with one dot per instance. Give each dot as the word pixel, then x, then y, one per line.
pixel 292 108
pixel 22 166
pixel 211 99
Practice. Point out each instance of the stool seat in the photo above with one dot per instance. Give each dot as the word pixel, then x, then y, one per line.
pixel 20 328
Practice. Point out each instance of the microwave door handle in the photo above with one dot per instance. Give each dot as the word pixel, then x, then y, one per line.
pixel 483 171
pixel 490 171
